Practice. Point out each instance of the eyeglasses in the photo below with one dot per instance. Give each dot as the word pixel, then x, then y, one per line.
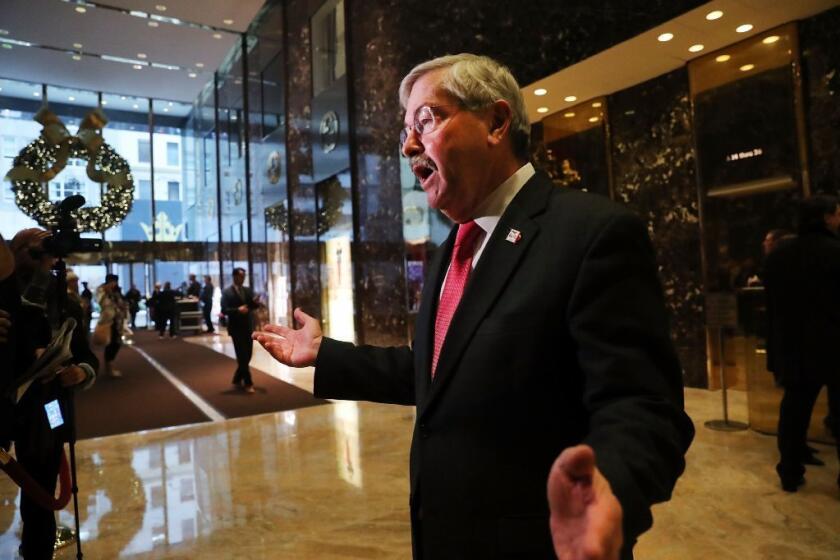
pixel 426 120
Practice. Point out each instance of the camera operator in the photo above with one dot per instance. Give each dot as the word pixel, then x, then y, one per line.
pixel 35 315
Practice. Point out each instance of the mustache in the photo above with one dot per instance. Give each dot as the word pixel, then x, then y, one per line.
pixel 422 160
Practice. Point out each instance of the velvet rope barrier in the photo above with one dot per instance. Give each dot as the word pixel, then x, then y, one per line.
pixel 32 489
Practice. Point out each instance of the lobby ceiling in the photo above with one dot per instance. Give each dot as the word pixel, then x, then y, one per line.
pixel 165 49
pixel 645 56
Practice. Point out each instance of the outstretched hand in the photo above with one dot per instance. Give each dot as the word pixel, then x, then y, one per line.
pixel 585 514
pixel 293 347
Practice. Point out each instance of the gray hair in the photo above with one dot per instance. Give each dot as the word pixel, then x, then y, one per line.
pixel 477 82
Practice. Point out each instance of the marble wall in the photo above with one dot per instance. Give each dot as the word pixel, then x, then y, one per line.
pixel 653 162
pixel 819 39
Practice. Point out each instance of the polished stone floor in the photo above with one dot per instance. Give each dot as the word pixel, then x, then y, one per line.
pixel 331 482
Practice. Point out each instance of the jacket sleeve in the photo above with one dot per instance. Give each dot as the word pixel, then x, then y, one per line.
pixel 633 387
pixel 364 373
pixel 229 306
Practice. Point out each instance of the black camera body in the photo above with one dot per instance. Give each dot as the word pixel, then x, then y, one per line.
pixel 65 238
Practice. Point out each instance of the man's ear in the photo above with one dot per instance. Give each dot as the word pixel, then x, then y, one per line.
pixel 501 116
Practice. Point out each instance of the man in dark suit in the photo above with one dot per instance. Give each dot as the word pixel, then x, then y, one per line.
pixel 541 332
pixel 237 303
pixel 803 310
pixel 206 298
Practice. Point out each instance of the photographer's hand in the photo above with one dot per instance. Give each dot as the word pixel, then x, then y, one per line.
pixel 5 325
pixel 71 376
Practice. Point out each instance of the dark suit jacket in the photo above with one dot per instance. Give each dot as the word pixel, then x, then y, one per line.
pixel 559 339
pixel 802 286
pixel 238 324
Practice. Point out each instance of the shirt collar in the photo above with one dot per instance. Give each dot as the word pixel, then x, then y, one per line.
pixel 491 210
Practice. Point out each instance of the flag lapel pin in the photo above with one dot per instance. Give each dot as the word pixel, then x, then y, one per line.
pixel 514 236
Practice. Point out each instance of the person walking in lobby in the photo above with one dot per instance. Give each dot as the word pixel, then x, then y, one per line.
pixel 206 299
pixel 238 302
pixel 542 352
pixel 132 297
pixel 112 315
pixel 801 282
pixel 165 311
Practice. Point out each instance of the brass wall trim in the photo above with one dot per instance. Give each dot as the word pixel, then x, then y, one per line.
pixel 770 184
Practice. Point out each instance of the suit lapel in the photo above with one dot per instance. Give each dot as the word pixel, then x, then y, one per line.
pixel 492 273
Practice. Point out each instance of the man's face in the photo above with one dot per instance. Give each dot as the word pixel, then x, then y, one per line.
pixel 239 278
pixel 452 161
pixel 832 221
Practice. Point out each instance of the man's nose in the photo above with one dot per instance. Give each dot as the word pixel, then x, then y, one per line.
pixel 412 145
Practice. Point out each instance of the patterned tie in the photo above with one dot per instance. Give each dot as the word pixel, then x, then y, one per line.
pixel 456 279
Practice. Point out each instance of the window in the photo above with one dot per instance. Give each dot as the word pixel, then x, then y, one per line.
pixel 172 153
pixel 174 190
pixel 144 152
pixel 145 189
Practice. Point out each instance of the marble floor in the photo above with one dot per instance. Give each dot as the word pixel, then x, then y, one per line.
pixel 330 482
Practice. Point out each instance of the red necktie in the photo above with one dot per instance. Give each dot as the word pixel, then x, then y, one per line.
pixel 456 279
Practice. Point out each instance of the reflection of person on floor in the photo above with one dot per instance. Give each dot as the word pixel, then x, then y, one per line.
pixel 542 336
pixel 165 311
pixel 238 302
pixel 35 317
pixel 803 310
pixel 112 312
pixel 206 299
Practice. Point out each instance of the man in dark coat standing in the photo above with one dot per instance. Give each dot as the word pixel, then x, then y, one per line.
pixel 206 299
pixel 541 335
pixel 237 303
pixel 802 283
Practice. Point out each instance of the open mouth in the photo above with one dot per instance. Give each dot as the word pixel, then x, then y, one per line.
pixel 423 169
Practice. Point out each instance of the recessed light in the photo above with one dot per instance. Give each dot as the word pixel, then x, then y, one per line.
pixel 77 57
pixel 569 115
pixel 542 110
pixel 77 45
pixel 540 91
pixel 81 9
pixel 747 67
pixel 152 24
pixel 570 98
pixel 744 28
pixel 123 97
pixel 722 58
pixel 199 65
pixel 104 102
pixel 165 109
pixel 170 104
pixel 71 98
pixel 228 22
pixel 665 37
pixel 36 94
pixel 596 104
pixel 192 75
pixel 138 66
pixel 141 56
pixel 696 48
pixel 770 40
pixel 711 16
pixel 136 106
pixel 217 35
pixel 593 119
pixel 160 8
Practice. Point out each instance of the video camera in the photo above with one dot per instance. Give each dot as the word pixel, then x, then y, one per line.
pixel 65 238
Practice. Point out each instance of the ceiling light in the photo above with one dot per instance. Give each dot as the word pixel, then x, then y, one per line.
pixel 711 16
pixel 722 58
pixel 217 35
pixel 665 37
pixel 165 110
pixel 81 9
pixel 593 119
pixel 570 98
pixel 540 91
pixel 77 45
pixel 596 104
pixel 747 67
pixel 36 94
pixel 696 48
pixel 542 110
pixel 160 8
pixel 3 32
pixel 104 102
pixel 569 115
pixel 136 106
pixel 192 75
pixel 138 66
pixel 152 24
pixel 744 28
pixel 228 22
pixel 1 89
pixel 170 104
pixel 199 65
pixel 770 40
pixel 77 57
pixel 141 56
pixel 123 97
pixel 71 98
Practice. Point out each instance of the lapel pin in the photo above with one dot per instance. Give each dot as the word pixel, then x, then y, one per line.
pixel 514 236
